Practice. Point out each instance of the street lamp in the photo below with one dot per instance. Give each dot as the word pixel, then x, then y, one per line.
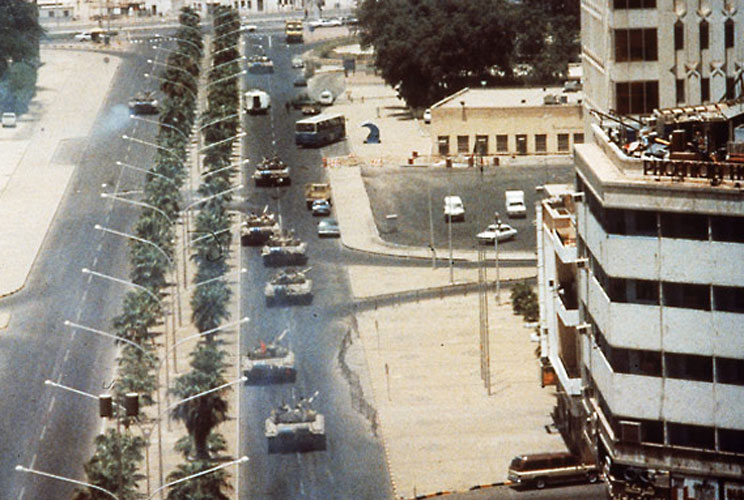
pixel 210 173
pixel 218 278
pixel 146 171
pixel 221 119
pixel 138 203
pixel 148 75
pixel 223 141
pixel 171 66
pixel 213 68
pixel 135 238
pixel 230 47
pixel 189 42
pixel 217 195
pixel 242 28
pixel 240 460
pixel 171 151
pixel 231 77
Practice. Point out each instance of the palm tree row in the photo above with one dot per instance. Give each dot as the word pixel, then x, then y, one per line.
pixel 118 455
pixel 210 300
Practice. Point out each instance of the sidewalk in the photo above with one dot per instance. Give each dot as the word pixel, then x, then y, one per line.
pixel 40 155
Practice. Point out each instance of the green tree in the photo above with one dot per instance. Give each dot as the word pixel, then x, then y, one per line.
pixel 113 465
pixel 202 414
pixel 207 487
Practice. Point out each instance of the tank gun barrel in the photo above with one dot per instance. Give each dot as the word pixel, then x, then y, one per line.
pixel 281 336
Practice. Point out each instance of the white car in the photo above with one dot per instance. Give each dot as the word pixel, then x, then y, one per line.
pixel 297 62
pixel 9 119
pixel 250 28
pixel 328 228
pixel 427 116
pixel 453 208
pixel 325 23
pixel 321 207
pixel 515 206
pixel 326 98
pixel 84 37
pixel 498 232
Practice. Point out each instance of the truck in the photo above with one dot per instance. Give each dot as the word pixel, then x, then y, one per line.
pixel 515 206
pixel 256 102
pixel 317 191
pixel 293 31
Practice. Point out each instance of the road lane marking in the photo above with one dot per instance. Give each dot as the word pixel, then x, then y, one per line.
pixel 33 461
pixel 23 492
pixel 43 431
pixel 51 404
pixel 67 355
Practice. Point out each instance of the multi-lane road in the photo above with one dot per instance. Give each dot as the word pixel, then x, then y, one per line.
pixel 353 464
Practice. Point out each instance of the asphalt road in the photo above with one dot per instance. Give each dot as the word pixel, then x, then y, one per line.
pixel 352 465
pixel 482 194
pixel 42 427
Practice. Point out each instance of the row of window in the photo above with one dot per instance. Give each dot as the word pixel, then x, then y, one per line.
pixel 667 293
pixel 669 364
pixel 481 145
pixel 729 34
pixel 664 224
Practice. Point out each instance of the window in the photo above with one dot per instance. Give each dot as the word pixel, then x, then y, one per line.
pixel 562 142
pixel 686 226
pixel 636 98
pixel 443 144
pixel 689 367
pixel 578 138
pixel 686 295
pixel 463 144
pixel 679 35
pixel 636 362
pixel 541 141
pixel 634 291
pixel 731 440
pixel 680 91
pixel 727 228
pixel 730 371
pixel 502 143
pixel 703 35
pixel 630 222
pixel 634 4
pixel 728 298
pixel 692 436
pixel 705 89
pixel 636 45
pixel 730 88
pixel 728 33
pixel 481 144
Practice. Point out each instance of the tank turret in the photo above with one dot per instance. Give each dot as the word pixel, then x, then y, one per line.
pixel 284 249
pixel 295 428
pixel 289 287
pixel 270 361
pixel 258 228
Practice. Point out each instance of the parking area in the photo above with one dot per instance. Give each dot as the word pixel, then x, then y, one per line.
pixel 405 192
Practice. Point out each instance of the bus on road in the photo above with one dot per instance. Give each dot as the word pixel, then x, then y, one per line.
pixel 320 130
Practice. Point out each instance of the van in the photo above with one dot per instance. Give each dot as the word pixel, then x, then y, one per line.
pixel 453 208
pixel 9 119
pixel 515 206
pixel 541 469
pixel 256 102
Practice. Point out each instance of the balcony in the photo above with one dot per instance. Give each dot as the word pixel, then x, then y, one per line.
pixel 558 218
pixel 568 308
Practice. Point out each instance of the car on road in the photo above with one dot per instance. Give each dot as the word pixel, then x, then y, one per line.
pixel 427 116
pixel 496 232
pixel 349 20
pixel 85 36
pixel 311 109
pixel 326 98
pixel 454 209
pixel 328 228
pixel 250 28
pixel 540 469
pixel 300 82
pixel 321 207
pixel 325 23
pixel 515 206
pixel 297 62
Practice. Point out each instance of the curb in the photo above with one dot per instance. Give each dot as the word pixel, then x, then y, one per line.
pixel 446 492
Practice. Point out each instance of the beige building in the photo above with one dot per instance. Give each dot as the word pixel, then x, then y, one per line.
pixel 507 121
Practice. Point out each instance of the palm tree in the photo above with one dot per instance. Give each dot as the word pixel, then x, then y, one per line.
pixel 139 312
pixel 114 464
pixel 216 443
pixel 202 414
pixel 209 305
pixel 137 373
pixel 207 487
pixel 148 266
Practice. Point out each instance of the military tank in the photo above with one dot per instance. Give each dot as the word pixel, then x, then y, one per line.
pixel 144 103
pixel 289 287
pixel 271 172
pixel 295 429
pixel 257 229
pixel 270 362
pixel 284 250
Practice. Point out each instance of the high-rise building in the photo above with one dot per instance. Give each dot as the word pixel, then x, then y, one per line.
pixel 641 264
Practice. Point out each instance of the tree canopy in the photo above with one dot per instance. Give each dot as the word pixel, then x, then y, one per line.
pixel 428 49
pixel 19 53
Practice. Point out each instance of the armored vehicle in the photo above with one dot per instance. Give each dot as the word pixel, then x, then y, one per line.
pixel 295 429
pixel 284 250
pixel 289 287
pixel 270 362
pixel 144 103
pixel 258 228
pixel 272 172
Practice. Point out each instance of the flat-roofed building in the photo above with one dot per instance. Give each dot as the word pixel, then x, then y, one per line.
pixel 507 121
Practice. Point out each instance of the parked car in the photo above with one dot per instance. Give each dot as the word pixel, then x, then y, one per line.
pixel 496 232
pixel 85 36
pixel 297 62
pixel 9 119
pixel 453 208
pixel 515 206
pixel 250 28
pixel 321 207
pixel 325 23
pixel 427 116
pixel 541 469
pixel 300 82
pixel 349 21
pixel 328 228
pixel 326 98
pixel 311 109
pixel 302 100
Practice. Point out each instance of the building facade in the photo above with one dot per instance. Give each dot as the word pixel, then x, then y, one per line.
pixel 507 121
